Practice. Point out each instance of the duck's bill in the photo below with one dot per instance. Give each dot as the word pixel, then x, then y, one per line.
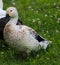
pixel 2 13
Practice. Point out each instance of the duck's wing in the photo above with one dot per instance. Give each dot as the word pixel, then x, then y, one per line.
pixel 34 34
pixel 19 22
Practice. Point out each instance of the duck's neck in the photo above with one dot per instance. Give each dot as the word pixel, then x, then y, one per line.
pixel 1 4
pixel 13 20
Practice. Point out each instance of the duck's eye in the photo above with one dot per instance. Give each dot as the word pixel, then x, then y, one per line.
pixel 10 10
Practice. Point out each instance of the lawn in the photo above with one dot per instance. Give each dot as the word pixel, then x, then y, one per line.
pixel 44 17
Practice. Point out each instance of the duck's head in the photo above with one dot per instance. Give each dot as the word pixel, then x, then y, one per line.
pixel 12 12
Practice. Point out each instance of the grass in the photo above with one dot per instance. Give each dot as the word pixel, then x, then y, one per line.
pixel 44 17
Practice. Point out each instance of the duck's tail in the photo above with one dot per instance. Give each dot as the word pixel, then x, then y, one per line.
pixel 44 44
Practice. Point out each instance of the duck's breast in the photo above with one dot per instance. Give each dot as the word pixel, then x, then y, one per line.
pixel 9 33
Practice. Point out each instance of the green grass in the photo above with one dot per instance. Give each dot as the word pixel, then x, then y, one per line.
pixel 43 16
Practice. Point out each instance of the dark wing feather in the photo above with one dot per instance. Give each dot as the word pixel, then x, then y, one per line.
pixel 1 35
pixel 35 35
pixel 39 38
pixel 19 22
pixel 3 22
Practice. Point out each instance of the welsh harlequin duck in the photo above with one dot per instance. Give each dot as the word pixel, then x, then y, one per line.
pixel 21 37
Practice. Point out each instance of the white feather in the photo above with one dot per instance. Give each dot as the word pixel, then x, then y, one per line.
pixel 2 12
pixel 44 44
pixel 1 4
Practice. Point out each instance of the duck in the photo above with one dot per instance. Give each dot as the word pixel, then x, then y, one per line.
pixel 4 19
pixel 21 37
